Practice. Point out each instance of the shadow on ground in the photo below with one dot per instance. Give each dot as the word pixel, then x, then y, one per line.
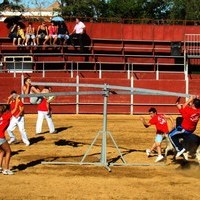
pixel 13 153
pixel 35 140
pixel 60 129
pixel 22 167
pixel 68 143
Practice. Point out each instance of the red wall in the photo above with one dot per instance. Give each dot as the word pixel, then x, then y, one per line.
pixel 124 32
pixel 128 31
pixel 141 31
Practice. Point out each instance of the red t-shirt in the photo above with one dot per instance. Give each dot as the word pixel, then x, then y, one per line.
pixel 43 105
pixel 4 123
pixel 160 122
pixel 52 30
pixel 190 118
pixel 19 107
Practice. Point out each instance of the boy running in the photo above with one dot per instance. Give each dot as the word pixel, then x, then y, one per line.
pixel 160 122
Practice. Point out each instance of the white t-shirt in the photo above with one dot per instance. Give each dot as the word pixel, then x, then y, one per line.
pixel 79 28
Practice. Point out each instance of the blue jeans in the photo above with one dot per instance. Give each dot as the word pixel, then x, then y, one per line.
pixel 176 134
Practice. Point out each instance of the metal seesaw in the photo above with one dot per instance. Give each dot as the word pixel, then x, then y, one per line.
pixel 104 133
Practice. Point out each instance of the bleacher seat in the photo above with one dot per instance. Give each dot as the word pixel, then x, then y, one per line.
pixel 141 51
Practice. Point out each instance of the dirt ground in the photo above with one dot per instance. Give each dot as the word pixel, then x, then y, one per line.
pixel 142 179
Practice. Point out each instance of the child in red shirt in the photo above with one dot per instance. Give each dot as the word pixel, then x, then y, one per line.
pixel 44 111
pixel 160 122
pixel 190 112
pixel 17 120
pixel 5 116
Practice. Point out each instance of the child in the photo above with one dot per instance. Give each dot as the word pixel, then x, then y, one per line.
pixel 160 121
pixel 5 116
pixel 30 89
pixel 44 111
pixel 20 35
pixel 190 112
pixel 17 119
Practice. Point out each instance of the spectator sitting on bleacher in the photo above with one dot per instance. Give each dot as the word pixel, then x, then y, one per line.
pixel 13 33
pixel 42 33
pixel 63 33
pixel 78 33
pixel 53 33
pixel 20 35
pixel 30 34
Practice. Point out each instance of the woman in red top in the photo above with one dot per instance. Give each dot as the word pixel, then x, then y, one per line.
pixel 5 116
pixel 53 33
pixel 160 122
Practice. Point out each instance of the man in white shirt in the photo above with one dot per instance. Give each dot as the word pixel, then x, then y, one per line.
pixel 77 33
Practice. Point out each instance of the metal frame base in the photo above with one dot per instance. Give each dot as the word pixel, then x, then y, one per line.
pixel 104 133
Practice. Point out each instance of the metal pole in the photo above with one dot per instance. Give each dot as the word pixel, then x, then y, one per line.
pixel 77 96
pixel 132 97
pixel 157 71
pixel 22 66
pixel 100 71
pixel 71 73
pixel 22 83
pixel 104 131
pixel 128 71
pixel 43 71
pixel 186 80
pixel 14 69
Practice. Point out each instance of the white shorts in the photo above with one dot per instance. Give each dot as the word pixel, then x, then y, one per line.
pixel 53 36
pixel 35 100
pixel 30 36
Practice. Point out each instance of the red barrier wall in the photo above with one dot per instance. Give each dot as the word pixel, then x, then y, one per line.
pixel 128 31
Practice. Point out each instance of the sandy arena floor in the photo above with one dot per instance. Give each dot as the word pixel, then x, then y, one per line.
pixel 35 181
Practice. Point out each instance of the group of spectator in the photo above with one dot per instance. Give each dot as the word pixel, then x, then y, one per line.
pixel 55 33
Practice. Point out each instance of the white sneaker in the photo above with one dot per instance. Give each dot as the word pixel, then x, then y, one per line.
pixel 159 158
pixel 12 140
pixel 55 132
pixel 7 172
pixel 185 155
pixel 180 153
pixel 27 143
pixel 148 152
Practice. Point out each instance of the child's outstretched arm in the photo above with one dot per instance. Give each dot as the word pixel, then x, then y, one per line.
pixel 190 100
pixel 146 125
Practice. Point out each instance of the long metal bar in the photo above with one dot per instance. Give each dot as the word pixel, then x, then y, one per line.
pixel 62 94
pixel 95 93
pixel 134 90
pixel 99 164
